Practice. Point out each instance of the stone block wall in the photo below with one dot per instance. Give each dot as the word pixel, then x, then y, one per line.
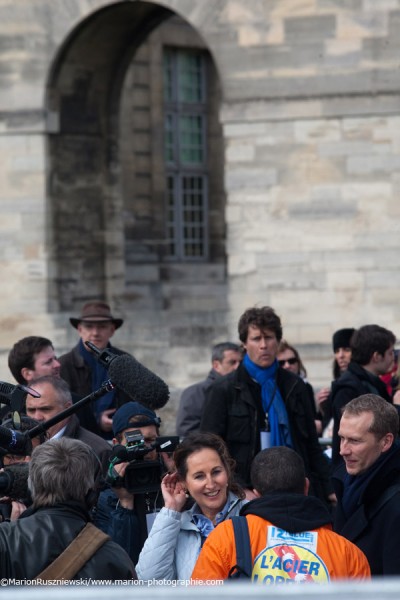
pixel 310 120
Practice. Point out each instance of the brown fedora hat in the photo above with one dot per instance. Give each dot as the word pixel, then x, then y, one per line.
pixel 95 311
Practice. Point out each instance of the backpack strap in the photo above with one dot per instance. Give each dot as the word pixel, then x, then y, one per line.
pixel 244 561
pixel 79 551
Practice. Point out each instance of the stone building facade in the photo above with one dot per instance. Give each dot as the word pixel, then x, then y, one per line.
pixel 292 171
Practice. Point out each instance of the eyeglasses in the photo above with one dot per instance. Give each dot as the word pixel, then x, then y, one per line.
pixel 290 361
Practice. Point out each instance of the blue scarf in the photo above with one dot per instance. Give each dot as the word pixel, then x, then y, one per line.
pixel 272 402
pixel 99 376
pixel 203 523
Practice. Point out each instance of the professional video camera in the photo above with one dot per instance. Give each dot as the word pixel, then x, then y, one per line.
pixel 141 475
pixel 13 485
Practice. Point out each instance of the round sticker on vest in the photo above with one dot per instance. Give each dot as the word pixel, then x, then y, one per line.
pixel 289 564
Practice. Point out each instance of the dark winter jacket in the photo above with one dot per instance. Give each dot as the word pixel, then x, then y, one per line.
pixel 30 544
pixel 354 382
pixel 233 410
pixel 125 526
pixel 375 523
pixel 191 405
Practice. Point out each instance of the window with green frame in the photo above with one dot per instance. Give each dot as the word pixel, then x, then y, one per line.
pixel 185 154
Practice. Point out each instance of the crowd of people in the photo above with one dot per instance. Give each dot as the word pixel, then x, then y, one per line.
pixel 246 488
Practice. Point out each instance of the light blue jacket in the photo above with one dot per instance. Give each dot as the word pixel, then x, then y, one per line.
pixel 174 543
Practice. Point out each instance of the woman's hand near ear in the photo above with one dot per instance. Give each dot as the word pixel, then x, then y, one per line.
pixel 173 492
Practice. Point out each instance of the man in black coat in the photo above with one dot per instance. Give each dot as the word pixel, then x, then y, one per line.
pixel 367 484
pixel 372 355
pixel 262 405
pixel 61 481
pixel 34 356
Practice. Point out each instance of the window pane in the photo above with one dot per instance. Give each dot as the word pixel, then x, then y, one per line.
pixel 190 77
pixel 193 216
pixel 171 216
pixel 169 138
pixel 168 76
pixel 191 141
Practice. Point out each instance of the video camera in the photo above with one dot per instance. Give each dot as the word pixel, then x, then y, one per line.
pixel 141 475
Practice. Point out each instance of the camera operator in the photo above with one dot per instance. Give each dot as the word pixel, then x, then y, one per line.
pixel 12 507
pixel 125 516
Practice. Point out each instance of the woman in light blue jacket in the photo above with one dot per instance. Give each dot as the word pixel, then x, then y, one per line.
pixel 204 471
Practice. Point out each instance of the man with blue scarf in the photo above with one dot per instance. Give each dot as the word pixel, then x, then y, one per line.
pixel 261 405
pixel 82 371
pixel 367 483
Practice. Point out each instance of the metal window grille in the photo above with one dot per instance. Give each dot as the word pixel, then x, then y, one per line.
pixel 185 147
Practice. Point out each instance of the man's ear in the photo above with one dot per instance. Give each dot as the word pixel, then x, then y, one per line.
pixel 376 357
pixel 256 493
pixel 387 441
pixel 306 486
pixel 27 374
pixel 215 365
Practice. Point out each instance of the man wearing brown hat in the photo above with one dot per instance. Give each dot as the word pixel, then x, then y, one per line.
pixel 80 368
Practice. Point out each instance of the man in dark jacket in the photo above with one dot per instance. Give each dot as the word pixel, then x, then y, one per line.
pixel 367 484
pixel 34 356
pixel 261 405
pixel 61 481
pixel 372 355
pixel 80 367
pixel 225 358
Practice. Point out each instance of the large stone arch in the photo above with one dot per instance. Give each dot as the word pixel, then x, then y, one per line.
pixel 88 212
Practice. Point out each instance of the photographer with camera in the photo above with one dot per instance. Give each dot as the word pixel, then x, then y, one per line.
pixel 14 475
pixel 127 509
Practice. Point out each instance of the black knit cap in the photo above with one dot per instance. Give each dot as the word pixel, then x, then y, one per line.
pixel 341 338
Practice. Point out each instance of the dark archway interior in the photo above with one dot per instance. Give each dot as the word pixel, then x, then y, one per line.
pixel 106 238
pixel 83 95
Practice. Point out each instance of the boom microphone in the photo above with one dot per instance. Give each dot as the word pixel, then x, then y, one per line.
pixel 138 382
pixel 8 389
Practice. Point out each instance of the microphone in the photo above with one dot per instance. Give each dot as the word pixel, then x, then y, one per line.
pixel 14 396
pixel 14 481
pixel 133 378
pixel 120 452
pixel 8 391
pixel 138 382
pixel 15 442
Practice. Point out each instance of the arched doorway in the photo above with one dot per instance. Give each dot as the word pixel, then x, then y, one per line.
pixel 128 225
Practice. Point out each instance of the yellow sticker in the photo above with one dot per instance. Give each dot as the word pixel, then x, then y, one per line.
pixel 289 564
